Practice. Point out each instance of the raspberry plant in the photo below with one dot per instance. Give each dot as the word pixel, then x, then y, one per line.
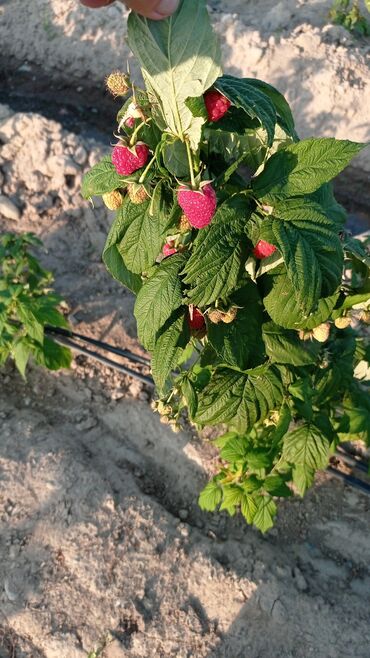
pixel 27 304
pixel 348 14
pixel 228 232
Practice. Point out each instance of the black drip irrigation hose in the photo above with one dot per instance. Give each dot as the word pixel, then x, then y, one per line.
pixel 66 337
pixel 63 338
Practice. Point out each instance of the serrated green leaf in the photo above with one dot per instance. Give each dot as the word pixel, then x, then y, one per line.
pixel 144 234
pixel 240 343
pixel 303 478
pixel 310 246
pixel 258 458
pixel 324 196
pixel 21 352
pixel 265 514
pixel 357 408
pixel 232 496
pixel 158 298
pixel 306 446
pixel 33 327
pixel 235 449
pixel 175 159
pixel 283 308
pixel 53 356
pixel 284 346
pixel 210 497
pixel 172 340
pixel 190 397
pixel 281 105
pixel 231 145
pixel 180 58
pixel 251 99
pixel 248 508
pixel 238 398
pixel 197 107
pixel 102 178
pixel 356 249
pixel 302 168
pixel 334 379
pixel 276 486
pixel 213 269
pixel 112 257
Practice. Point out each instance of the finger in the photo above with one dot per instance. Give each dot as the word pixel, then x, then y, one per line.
pixel 94 4
pixel 155 9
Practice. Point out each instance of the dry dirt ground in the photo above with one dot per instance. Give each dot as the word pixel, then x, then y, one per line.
pixel 101 539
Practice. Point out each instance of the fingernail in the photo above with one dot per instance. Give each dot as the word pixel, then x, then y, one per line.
pixel 166 7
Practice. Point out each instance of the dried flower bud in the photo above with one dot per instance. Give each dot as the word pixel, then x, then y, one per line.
pixel 118 83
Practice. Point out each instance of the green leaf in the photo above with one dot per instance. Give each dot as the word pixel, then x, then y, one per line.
pixel 21 352
pixel 190 397
pixel 281 304
pixel 284 346
pixel 232 496
pixel 264 516
pixel 307 447
pixel 53 356
pixel 258 458
pixel 102 178
pixel 357 408
pixel 310 246
pixel 175 159
pixel 33 327
pixel 281 105
pixel 302 168
pixel 324 196
pixel 251 99
pixel 144 234
pixel 210 497
pixel 232 145
pixel 240 343
pixel 173 338
pixel 180 58
pixel 112 257
pixel 276 486
pixel 303 478
pixel 197 107
pixel 213 269
pixel 330 382
pixel 239 398
pixel 248 508
pixel 158 298
pixel 235 449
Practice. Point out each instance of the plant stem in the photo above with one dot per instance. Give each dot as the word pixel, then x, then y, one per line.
pixel 143 175
pixel 190 159
pixel 133 136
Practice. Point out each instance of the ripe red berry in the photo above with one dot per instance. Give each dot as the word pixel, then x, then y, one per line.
pixel 199 206
pixel 263 249
pixel 196 320
pixel 168 250
pixel 217 105
pixel 127 160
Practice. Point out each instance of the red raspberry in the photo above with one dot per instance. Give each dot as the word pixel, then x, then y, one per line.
pixel 168 250
pixel 217 105
pixel 126 161
pixel 130 122
pixel 263 249
pixel 196 320
pixel 199 206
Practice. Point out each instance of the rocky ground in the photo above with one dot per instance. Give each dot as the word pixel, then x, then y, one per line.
pixel 102 545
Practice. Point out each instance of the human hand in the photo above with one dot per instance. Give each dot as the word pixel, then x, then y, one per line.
pixel 155 9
